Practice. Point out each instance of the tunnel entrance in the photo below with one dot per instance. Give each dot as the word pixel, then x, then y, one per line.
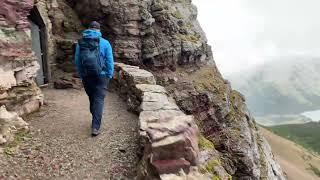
pixel 39 44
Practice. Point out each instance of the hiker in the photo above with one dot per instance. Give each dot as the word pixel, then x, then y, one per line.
pixel 94 61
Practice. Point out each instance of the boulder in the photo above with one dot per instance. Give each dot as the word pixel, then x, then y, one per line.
pixel 10 123
pixel 63 84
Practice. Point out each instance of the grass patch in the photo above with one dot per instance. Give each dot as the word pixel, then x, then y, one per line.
pixel 189 38
pixel 209 168
pixel 216 178
pixel 206 79
pixel 306 135
pixel 11 148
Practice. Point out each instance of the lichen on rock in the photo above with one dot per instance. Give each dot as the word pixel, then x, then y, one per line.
pixel 10 123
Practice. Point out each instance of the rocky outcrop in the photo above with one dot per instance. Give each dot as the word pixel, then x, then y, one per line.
pixel 18 68
pixel 158 34
pixel 66 31
pixel 225 120
pixel 18 65
pixel 63 28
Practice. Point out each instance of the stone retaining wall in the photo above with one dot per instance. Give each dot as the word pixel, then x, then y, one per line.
pixel 168 137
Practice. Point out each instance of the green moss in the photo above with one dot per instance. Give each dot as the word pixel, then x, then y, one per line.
pixel 177 14
pixel 189 25
pixel 216 178
pixel 5 32
pixel 189 38
pixel 205 144
pixel 12 146
pixel 235 110
pixel 209 167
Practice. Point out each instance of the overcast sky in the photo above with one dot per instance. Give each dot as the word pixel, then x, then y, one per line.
pixel 245 33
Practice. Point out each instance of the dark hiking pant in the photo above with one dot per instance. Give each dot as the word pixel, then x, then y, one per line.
pixel 96 89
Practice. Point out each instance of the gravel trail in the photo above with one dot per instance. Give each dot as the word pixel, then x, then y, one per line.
pixel 59 145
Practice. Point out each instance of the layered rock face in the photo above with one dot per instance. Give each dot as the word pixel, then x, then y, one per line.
pixel 156 33
pixel 165 37
pixel 18 65
pixel 18 68
pixel 63 30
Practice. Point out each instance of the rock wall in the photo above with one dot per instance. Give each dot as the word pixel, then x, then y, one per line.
pixel 63 29
pixel 18 65
pixel 155 33
pixel 18 68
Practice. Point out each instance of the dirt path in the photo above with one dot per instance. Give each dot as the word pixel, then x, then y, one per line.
pixel 60 145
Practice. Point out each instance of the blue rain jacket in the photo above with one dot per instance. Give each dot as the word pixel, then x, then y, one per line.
pixel 105 53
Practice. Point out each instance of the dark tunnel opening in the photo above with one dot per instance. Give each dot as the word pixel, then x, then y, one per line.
pixel 39 45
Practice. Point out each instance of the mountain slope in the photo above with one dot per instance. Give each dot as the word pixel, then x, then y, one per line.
pixel 294 159
pixel 287 85
pixel 306 135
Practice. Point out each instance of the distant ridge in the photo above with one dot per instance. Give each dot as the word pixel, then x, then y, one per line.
pixel 286 85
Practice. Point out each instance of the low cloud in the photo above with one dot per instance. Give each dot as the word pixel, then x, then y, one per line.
pixel 245 33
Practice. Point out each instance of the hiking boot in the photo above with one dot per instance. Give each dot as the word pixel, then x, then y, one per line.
pixel 95 132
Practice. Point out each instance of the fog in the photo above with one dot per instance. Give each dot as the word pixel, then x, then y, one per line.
pixel 245 33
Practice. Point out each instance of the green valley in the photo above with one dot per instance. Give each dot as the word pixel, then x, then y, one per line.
pixel 307 135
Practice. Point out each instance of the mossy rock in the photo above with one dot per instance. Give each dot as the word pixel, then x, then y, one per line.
pixel 205 144
pixel 209 167
pixel 189 38
pixel 216 178
pixel 10 149
pixel 177 14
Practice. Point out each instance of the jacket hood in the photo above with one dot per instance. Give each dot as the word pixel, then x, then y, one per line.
pixel 91 34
